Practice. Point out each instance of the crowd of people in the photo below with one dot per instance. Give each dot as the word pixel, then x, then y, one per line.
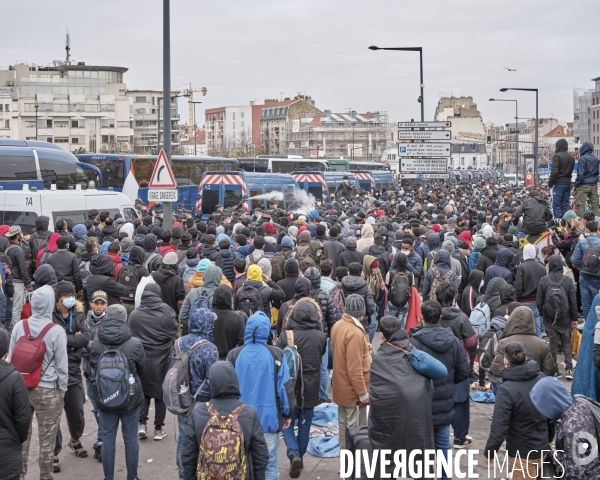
pixel 248 321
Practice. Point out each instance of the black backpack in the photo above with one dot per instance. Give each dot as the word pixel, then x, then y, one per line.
pixel 249 300
pixel 488 344
pixel 400 290
pixel 556 303
pixel 591 259
pixel 130 277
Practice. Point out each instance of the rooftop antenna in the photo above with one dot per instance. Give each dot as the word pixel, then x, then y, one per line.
pixel 68 45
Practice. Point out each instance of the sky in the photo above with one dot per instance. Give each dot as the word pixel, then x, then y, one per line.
pixel 243 50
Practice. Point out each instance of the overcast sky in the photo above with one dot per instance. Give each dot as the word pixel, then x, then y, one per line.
pixel 244 50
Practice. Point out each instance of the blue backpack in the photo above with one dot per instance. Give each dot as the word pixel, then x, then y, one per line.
pixel 113 391
pixel 201 311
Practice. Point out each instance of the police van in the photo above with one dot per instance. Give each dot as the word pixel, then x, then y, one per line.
pixel 335 179
pixel 313 183
pixel 240 189
pixel 364 181
pixel 383 179
pixel 22 207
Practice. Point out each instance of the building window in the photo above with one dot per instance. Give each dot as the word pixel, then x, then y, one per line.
pixel 49 139
pixel 140 99
pixel 233 117
pixel 241 114
pixel 1 107
pixel 234 125
pixel 6 123
pixel 48 123
pixel 242 124
pixel 75 140
pixel 76 123
pixel 61 140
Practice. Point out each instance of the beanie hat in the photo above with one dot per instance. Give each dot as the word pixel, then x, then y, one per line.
pixel 287 242
pixel 171 259
pixel 202 264
pixel 478 242
pixel 514 231
pixel 355 306
pixel 64 288
pixel 117 311
pixel 570 215
pixel 374 265
pixel 79 231
pixel 436 228
pixel 255 273
pixel 211 230
pixel 314 214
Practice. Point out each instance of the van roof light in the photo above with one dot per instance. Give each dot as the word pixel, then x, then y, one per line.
pixel 34 189
pixel 70 187
pixel 25 186
pixel 78 186
pixel 53 187
pixel 110 189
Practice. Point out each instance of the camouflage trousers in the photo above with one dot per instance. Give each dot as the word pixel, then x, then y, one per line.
pixel 47 404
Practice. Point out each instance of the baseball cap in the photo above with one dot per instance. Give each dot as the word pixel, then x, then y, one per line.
pixel 99 295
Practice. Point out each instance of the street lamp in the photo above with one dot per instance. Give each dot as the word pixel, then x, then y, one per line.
pixel 421 99
pixel 195 126
pixel 537 124
pixel 36 106
pixel 517 133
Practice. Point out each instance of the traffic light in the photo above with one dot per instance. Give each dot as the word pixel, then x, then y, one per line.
pixel 489 139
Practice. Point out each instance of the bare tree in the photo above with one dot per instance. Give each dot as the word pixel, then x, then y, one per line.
pixel 116 147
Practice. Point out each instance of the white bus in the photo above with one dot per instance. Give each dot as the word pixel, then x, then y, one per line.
pixel 281 164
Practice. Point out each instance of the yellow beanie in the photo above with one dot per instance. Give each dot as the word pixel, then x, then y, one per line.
pixel 255 273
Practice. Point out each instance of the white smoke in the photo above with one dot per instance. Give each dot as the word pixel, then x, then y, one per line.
pixel 277 196
pixel 305 202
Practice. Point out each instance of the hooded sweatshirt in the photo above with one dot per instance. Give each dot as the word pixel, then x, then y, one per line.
pixel 470 295
pixel 562 165
pixel 442 265
pixel 303 242
pixel 312 256
pixel 528 276
pixel 229 326
pixel 136 258
pixel 288 283
pixel 100 278
pixel 507 296
pixel 500 269
pixel 555 275
pixel 366 238
pixel 45 275
pixel 587 170
pixel 351 254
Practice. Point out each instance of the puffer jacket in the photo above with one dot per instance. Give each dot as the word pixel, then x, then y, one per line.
pixel 555 275
pixel 78 337
pixel 171 286
pixel 227 258
pixel 536 214
pixel 329 313
pixel 562 165
pixel 500 268
pixel 587 169
pixel 356 285
pixel 442 265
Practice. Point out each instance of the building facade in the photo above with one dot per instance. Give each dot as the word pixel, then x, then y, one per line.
pixel 234 129
pixel 582 101
pixel 594 117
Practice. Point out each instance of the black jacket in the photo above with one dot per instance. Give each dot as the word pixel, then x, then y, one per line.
pixel 78 337
pixel 562 165
pixel 100 278
pixel 395 382
pixel 155 325
pixel 555 275
pixel 149 246
pixel 332 250
pixel 114 332
pixel 225 394
pixel 211 252
pixel 536 214
pixel 15 414
pixel 227 258
pixel 171 286
pixel 69 237
pixel 289 282
pixel 350 255
pixel 136 258
pixel 441 343
pixel 66 267
pixel 18 266
pixel 516 419
pixel 356 285
pixel 487 258
pixel 527 279
pixel 470 295
pixel 229 328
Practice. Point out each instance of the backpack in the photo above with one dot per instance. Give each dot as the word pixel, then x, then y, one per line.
pixel 437 281
pixel 28 355
pixel 40 240
pixel 339 299
pixel 149 260
pixel 201 303
pixel 400 290
pixel 249 300
pixel 112 387
pixel 176 385
pixel 187 274
pixel 591 259
pixel 84 271
pixel 43 256
pixel 277 266
pixel 252 261
pixel 222 453
pixel 292 359
pixel 129 276
pixel 556 303
pixel 480 318
pixel 488 344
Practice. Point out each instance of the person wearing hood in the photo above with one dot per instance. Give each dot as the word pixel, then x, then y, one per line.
pixel 109 232
pixel 187 270
pixel 45 275
pixel 126 246
pixel 268 289
pixel 478 245
pixel 229 326
pixel 212 279
pixel 507 296
pixel 140 234
pixel 560 178
pixel 225 399
pixel 470 295
pixel 527 280
pixel 366 238
pixel 558 324
pixel 154 323
pixel 399 266
pixel 350 254
pixel 305 332
pixel 492 295
pixel 288 283
pixel 379 251
pixel 301 290
pixel 441 266
pixel 100 278
pixel 574 420
pixel 79 234
pixel 440 343
pixel 520 328
pixel 40 238
pixel 227 257
pixel 434 245
pixel 69 313
pixel 152 260
pixel 516 419
pixel 488 254
pixel 170 283
pixel 114 331
pixel 585 185
pixel 304 239
pixel 258 257
pixel 314 254
pixel 127 229
pixel 46 398
pixel 265 383
pixel 536 211
pixel 136 258
pixel 333 247
pixel 355 284
pixel 456 265
pixel 504 257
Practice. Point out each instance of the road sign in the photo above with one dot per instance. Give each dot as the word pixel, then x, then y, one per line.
pixel 424 124
pixel 163 195
pixel 162 176
pixel 424 135
pixel 424 150
pixel 423 164
pixel 425 176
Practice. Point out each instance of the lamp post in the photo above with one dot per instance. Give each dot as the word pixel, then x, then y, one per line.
pixel 517 133
pixel 421 99
pixel 36 106
pixel 537 124
pixel 195 127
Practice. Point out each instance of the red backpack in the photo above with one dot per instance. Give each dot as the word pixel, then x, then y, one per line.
pixel 28 355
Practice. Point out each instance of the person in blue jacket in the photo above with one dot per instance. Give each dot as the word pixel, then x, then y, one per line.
pixel 586 183
pixel 265 384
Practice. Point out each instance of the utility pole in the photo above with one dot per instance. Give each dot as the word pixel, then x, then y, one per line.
pixel 167 206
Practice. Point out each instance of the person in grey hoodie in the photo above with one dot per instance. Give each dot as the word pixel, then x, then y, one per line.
pixel 46 398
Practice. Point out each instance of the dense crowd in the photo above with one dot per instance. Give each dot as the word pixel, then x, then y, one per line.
pixel 242 324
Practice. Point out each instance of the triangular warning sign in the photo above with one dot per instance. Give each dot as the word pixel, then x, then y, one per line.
pixel 162 176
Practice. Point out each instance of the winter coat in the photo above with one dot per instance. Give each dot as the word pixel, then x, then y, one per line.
pixel 301 290
pixel 149 245
pixel 303 243
pixel 109 234
pixel 395 382
pixel 305 323
pixel 113 331
pixel 521 328
pixel 487 258
pixel 259 258
pixel 18 266
pixel 380 252
pixel 171 286
pixel 311 255
pixel 332 250
pixel 225 395
pixel 470 295
pixel 587 169
pixel 555 275
pixel 229 326
pixel 66 267
pixel 267 390
pixel 350 255
pixel 155 325
pixel 352 360
pixel 288 283
pixel 536 214
pixel 100 278
pixel 15 414
pixel 366 238
pixel 500 268
pixel 562 165
pixel 442 265
pixel 227 258
pixel 45 275
pixel 326 304
pixel 356 285
pixel 527 279
pixel 462 329
pixel 507 296
pixel 78 337
pixel 136 258
pixel 516 419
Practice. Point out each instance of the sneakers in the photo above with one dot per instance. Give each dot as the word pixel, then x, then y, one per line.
pixel 98 451
pixel 142 431
pixel 569 374
pixel 56 465
pixel 458 443
pixel 159 434
pixel 295 465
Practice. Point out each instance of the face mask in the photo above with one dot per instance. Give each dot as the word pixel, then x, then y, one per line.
pixel 68 302
pixel 405 252
pixel 97 316
pixel 357 233
pixel 481 284
pixel 319 254
pixel 375 272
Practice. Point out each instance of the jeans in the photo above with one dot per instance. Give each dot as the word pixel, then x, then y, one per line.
pixel 441 439
pixel 160 412
pixel 372 326
pixel 323 395
pixel 73 399
pixel 560 200
pixel 183 422
pixel 462 421
pixel 399 312
pixel 272 471
pixel 298 444
pixel 589 287
pixel 536 317
pixel 18 302
pixel 89 386
pixel 494 388
pixel 129 428
pixel 562 334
